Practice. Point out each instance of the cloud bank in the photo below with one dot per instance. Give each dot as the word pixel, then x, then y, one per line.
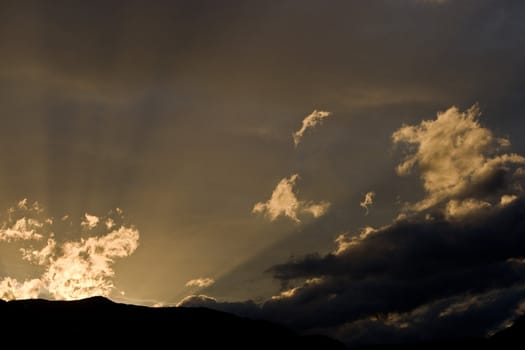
pixel 71 269
pixel 453 260
pixel 284 202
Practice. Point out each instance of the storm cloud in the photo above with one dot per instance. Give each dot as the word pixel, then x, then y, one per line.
pixel 459 255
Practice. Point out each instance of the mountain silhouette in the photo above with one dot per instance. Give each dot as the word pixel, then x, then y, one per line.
pixel 100 322
pixel 515 334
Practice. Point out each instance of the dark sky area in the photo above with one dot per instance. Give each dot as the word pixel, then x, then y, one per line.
pixel 156 139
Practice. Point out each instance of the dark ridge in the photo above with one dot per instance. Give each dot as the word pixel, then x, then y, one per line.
pixel 515 334
pixel 100 322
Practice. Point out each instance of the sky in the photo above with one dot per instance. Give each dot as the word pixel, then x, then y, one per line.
pixel 347 167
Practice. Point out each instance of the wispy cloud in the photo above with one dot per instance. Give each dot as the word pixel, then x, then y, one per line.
pixel 367 201
pixel 316 117
pixel 201 282
pixel 284 202
pixel 72 269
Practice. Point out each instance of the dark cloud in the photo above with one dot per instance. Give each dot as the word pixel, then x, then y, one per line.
pixel 409 264
pixel 463 317
pixel 444 251
pixel 431 268
pixel 411 281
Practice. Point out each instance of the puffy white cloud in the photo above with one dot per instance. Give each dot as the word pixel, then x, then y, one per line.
pixel 316 117
pixel 455 156
pixel 90 221
pixel 11 288
pixel 284 202
pixel 72 269
pixel 42 256
pixel 84 268
pixel 367 201
pixel 23 222
pixel 21 229
pixel 202 282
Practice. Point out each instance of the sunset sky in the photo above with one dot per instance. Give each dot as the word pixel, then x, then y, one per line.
pixel 319 163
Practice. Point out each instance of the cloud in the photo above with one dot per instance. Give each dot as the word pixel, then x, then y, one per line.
pixel 73 269
pixel 316 209
pixel 90 221
pixel 110 223
pixel 456 158
pixel 451 266
pixel 200 282
pixel 345 241
pixel 84 268
pixel 197 301
pixel 404 266
pixel 438 320
pixel 367 201
pixel 507 199
pixel 243 309
pixel 22 222
pixel 284 202
pixel 458 209
pixel 315 118
pixel 11 288
pixel 456 252
pixel 22 229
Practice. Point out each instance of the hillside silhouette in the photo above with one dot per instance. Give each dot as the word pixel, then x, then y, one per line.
pixel 514 335
pixel 100 322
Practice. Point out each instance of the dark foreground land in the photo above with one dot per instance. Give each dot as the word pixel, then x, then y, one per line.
pixel 102 323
